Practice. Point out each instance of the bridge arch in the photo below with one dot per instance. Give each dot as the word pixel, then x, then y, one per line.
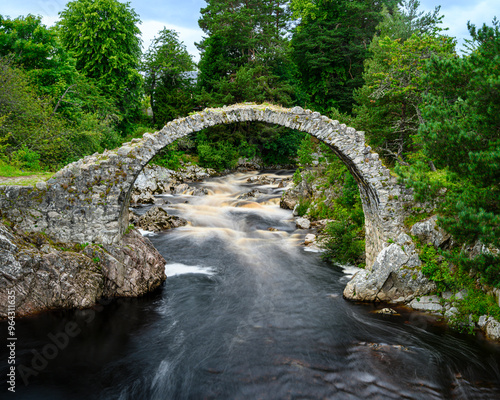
pixel 88 200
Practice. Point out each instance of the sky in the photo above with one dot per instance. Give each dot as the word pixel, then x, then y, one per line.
pixel 182 16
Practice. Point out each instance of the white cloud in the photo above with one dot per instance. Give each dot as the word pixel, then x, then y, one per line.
pixel 457 15
pixel 189 36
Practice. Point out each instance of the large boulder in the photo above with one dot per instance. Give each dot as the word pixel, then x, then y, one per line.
pixel 44 275
pixel 428 232
pixel 130 269
pixel 395 276
pixel 157 219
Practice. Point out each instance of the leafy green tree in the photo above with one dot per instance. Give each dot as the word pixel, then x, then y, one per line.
pixel 103 37
pixel 329 47
pixel 392 95
pixel 388 103
pixel 248 35
pixel 36 49
pixel 245 58
pixel 165 65
pixel 33 46
pixel 461 136
pixel 32 135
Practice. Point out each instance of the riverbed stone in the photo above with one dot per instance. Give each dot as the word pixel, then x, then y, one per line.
pixel 493 329
pixel 302 223
pixel 157 220
pixel 395 276
pixel 427 303
pixel 309 239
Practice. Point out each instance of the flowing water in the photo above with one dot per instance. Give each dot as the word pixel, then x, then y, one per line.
pixel 246 313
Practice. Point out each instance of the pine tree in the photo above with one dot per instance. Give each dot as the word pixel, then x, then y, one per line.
pixel 329 47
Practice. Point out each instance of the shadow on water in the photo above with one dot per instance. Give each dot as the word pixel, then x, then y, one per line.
pixel 246 313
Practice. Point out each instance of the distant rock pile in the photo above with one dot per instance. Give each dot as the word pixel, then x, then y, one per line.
pixel 156 220
pixel 156 180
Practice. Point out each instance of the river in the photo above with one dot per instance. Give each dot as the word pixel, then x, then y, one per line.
pixel 248 313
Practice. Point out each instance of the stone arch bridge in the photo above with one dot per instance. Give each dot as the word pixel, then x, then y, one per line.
pixel 88 200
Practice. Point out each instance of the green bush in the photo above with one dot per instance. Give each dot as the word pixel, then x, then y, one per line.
pixel 219 156
pixel 26 159
pixel 302 207
pixel 170 157
pixel 344 242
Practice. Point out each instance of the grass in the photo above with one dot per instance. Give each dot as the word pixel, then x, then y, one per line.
pixel 11 175
pixel 455 277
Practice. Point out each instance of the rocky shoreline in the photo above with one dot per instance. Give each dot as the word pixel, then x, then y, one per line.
pixel 45 275
pixel 395 278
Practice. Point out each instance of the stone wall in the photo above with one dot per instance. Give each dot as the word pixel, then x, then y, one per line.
pixel 87 201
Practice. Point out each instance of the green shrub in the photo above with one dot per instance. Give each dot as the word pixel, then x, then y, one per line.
pixel 302 207
pixel 26 158
pixel 344 243
pixel 170 157
pixel 219 156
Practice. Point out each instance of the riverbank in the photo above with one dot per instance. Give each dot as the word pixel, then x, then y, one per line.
pixel 410 269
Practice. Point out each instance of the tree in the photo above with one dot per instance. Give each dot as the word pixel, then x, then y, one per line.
pixel 329 47
pixel 31 132
pixel 245 58
pixel 166 65
pixel 242 34
pixel 33 46
pixel 103 37
pixel 388 103
pixel 461 136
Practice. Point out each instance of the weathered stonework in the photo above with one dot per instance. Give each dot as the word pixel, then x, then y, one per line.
pixel 88 200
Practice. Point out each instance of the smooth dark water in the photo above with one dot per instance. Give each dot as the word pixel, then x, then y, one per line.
pixel 246 313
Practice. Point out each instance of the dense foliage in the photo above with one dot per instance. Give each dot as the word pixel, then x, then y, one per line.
pixel 388 103
pixel 458 166
pixel 166 66
pixel 329 47
pixel 103 38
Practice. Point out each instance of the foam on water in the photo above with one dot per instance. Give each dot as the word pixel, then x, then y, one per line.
pixel 146 233
pixel 175 269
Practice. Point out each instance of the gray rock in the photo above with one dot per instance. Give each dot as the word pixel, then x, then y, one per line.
pixel 428 232
pixel 386 311
pixel 45 277
pixel 142 198
pixel 41 185
pixel 251 195
pixel 180 189
pixel 427 303
pixel 394 277
pixel 493 329
pixel 483 320
pixel 157 219
pixel 302 223
pixel 450 313
pixel 309 239
pixel 461 295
